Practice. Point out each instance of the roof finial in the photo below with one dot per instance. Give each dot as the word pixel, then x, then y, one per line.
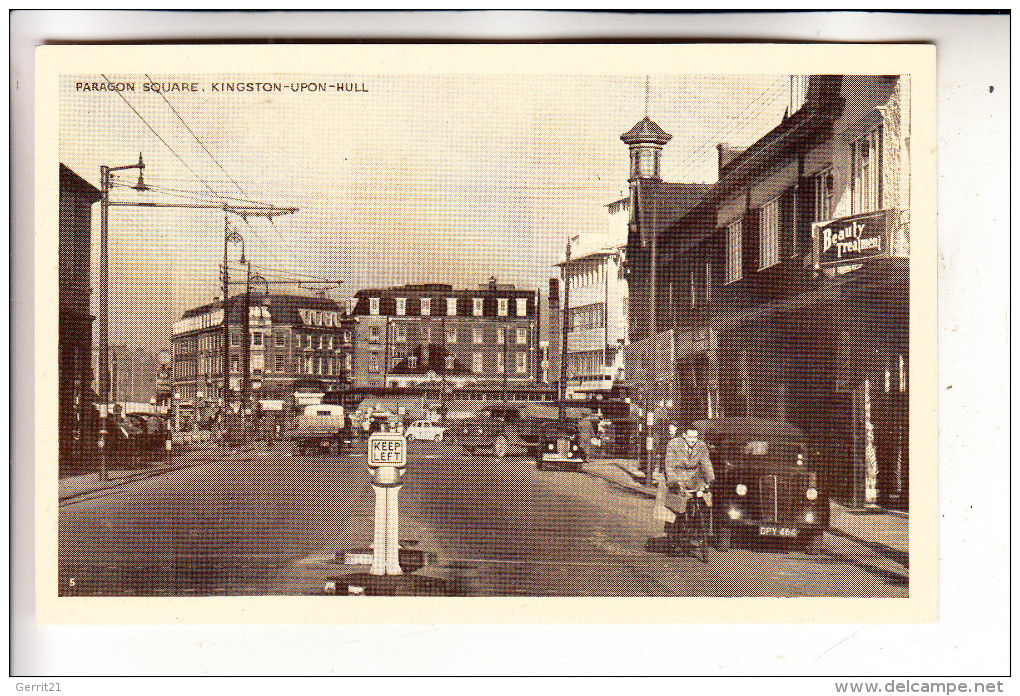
pixel 646 96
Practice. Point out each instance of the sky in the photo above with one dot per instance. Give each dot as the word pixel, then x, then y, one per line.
pixel 417 178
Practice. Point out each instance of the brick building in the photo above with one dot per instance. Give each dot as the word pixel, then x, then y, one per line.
pixel 419 335
pixel 299 348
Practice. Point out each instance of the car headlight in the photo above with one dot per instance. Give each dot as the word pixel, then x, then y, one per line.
pixel 741 490
pixel 552 446
pixel 809 517
pixel 734 513
pixel 811 494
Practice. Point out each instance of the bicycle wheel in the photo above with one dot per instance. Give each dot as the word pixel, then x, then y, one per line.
pixel 699 533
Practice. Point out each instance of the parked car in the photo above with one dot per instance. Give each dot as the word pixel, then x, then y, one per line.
pixel 560 446
pixel 424 430
pixel 765 486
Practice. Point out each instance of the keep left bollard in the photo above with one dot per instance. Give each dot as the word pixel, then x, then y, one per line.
pixel 387 460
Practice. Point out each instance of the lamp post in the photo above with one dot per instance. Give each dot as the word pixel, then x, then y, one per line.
pixel 104 306
pixel 565 323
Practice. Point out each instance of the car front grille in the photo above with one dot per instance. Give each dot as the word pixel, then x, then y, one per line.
pixel 780 498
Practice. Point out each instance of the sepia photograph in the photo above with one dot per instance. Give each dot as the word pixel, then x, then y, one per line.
pixel 441 334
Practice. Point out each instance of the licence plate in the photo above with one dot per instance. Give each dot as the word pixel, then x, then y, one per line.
pixel 777 531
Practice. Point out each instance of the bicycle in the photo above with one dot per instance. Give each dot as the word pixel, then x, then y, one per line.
pixel 690 530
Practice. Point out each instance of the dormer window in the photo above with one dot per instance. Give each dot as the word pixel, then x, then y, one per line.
pixel 373 305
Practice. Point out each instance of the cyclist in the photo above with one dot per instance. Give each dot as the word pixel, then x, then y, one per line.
pixel 688 469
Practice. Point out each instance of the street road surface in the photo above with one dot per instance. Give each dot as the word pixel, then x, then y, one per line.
pixel 272 524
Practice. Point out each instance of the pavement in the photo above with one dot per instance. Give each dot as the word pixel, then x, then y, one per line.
pixel 72 488
pixel 877 528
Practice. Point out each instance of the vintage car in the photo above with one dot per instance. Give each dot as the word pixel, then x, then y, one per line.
pixel 511 429
pixel 424 430
pixel 560 446
pixel 765 486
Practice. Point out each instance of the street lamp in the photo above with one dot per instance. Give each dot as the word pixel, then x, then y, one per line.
pixel 104 305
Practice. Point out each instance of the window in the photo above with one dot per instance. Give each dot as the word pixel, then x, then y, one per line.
pixel 451 306
pixel 347 336
pixel 426 334
pixel 708 282
pixel 450 362
pixel 321 344
pixel 477 335
pixel 399 333
pixel 373 363
pixel 329 366
pixel 503 305
pixel 401 306
pixel 501 336
pixel 500 367
pixel 426 306
pixel 281 340
pixel 823 185
pixel 347 362
pixel 281 364
pixel 866 173
pixel 235 364
pixel 476 363
pixel 308 341
pixel 373 334
pixel 522 363
pixel 768 230
pixel 522 336
pixel 235 339
pixel 522 306
pixel 373 305
pixel 478 306
pixel 451 335
pixel 297 340
pixel 412 361
pixel 734 252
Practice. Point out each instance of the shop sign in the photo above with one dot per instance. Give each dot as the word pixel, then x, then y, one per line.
pixel 852 239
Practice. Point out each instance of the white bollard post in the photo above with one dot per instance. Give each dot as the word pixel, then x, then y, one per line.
pixel 387 458
pixel 392 532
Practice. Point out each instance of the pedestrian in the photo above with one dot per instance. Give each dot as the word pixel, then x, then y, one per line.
pixel 586 431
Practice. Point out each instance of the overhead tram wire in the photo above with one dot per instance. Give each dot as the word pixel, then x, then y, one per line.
pixel 220 198
pixel 211 156
pixel 154 132
pixel 732 124
pixel 197 139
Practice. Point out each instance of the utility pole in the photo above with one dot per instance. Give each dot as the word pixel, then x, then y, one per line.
pixel 104 307
pixel 564 328
pixel 246 358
